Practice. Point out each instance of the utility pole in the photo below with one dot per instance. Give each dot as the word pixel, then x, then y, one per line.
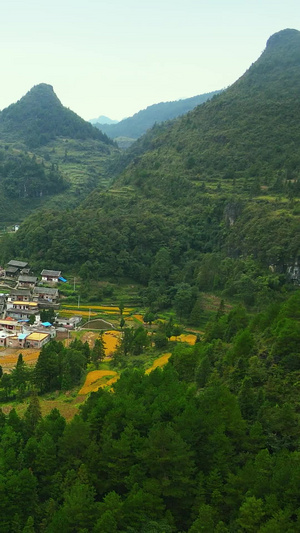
pixel 78 300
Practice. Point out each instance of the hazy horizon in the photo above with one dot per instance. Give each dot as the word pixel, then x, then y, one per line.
pixel 118 58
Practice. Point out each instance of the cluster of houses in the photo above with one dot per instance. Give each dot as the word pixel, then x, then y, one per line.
pixel 20 321
pixel 20 271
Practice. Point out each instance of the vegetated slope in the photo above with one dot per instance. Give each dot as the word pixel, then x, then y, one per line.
pixel 135 126
pixel 25 183
pixel 39 117
pixel 246 133
pixel 60 143
pixel 210 443
pixel 209 201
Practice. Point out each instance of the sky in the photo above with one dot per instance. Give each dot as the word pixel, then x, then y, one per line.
pixel 116 57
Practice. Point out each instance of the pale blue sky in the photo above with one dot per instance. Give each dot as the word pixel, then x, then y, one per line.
pixel 116 57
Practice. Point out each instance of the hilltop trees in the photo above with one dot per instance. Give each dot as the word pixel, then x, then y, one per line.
pixel 133 342
pixel 24 177
pixel 98 351
pixel 60 368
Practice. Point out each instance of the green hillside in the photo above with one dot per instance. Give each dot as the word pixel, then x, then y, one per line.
pixel 40 139
pixel 135 126
pixel 209 202
pixel 242 138
pixel 39 117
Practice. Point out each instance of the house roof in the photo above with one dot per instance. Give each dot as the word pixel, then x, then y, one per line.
pixel 45 290
pixel 21 292
pixel 54 273
pixel 12 269
pixel 9 321
pixel 18 264
pixel 23 311
pixel 72 320
pixel 35 336
pixel 29 279
pixel 31 304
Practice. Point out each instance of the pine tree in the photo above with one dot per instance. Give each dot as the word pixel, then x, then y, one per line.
pixel 196 313
pixel 98 351
pixel 29 526
pixel 33 414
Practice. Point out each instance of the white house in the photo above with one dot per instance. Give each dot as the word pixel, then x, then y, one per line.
pixel 50 276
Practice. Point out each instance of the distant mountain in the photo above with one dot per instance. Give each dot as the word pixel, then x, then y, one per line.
pixel 135 126
pixel 39 117
pixel 103 120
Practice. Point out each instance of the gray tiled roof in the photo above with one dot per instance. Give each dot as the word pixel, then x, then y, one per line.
pixel 18 264
pixel 45 290
pixel 29 279
pixel 54 273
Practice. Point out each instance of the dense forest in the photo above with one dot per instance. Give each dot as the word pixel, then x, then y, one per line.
pixel 22 176
pixel 204 252
pixel 210 443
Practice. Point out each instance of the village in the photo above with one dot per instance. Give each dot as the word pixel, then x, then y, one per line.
pixel 21 324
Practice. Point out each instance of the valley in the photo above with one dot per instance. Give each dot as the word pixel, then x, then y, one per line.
pixel 173 405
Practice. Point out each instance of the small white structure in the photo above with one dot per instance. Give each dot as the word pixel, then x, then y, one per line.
pixel 4 336
pixel 69 323
pixel 50 276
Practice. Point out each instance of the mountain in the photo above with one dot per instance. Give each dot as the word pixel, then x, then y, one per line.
pixel 135 126
pixel 103 120
pixel 48 155
pixel 248 132
pixel 210 200
pixel 39 117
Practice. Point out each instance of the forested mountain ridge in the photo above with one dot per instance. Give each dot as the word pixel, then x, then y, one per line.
pixel 39 117
pixel 135 126
pixel 248 132
pixel 193 205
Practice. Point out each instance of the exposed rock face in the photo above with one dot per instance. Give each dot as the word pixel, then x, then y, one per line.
pixel 293 272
